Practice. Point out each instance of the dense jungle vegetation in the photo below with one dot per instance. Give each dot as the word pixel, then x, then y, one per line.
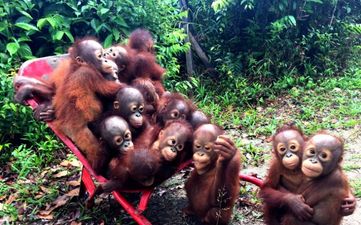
pixel 245 54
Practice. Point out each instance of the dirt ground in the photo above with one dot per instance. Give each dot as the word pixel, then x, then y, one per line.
pixel 169 199
pixel 165 207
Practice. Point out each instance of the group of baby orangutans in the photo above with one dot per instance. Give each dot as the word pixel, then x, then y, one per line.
pixel 305 183
pixel 112 104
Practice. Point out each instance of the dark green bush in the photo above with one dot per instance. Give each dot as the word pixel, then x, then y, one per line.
pixel 266 40
pixel 40 28
pixel 35 28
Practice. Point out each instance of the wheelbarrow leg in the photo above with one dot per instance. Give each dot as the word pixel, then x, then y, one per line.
pixel 139 218
pixel 144 199
pixel 82 191
pixel 88 186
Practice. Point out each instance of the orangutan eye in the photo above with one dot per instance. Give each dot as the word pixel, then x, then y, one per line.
pixel 133 108
pixel 197 146
pixel 324 157
pixel 127 136
pixel 141 108
pixel 180 147
pixel 310 151
pixel 281 148
pixel 174 114
pixel 172 142
pixel 118 140
pixel 207 148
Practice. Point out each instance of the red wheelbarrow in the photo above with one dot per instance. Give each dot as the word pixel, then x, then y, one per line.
pixel 42 68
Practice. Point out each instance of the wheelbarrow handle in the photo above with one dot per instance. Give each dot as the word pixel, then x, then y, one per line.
pixel 252 179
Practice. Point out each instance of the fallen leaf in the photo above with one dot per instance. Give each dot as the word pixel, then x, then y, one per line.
pixel 75 223
pixel 74 192
pixel 45 171
pixel 61 174
pixel 11 198
pixel 21 181
pixel 22 208
pixel 44 189
pixel 162 192
pixel 46 217
pixel 98 201
pixel 74 163
pixel 55 169
pixel 73 183
pixel 60 201
pixel 65 163
pixel 38 196
pixel 6 220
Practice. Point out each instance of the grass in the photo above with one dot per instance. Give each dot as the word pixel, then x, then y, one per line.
pixel 350 167
pixel 356 185
pixel 332 103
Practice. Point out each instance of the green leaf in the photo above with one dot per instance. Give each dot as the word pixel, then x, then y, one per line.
pixel 27 26
pixel 116 34
pixel 315 1
pixel 292 20
pixel 108 41
pixel 53 22
pixel 23 38
pixel 25 51
pixel 58 35
pixel 104 11
pixel 41 23
pixel 3 26
pixel 93 24
pixel 69 35
pixel 22 19
pixel 121 22
pixel 13 106
pixel 218 5
pixel 12 47
pixel 25 14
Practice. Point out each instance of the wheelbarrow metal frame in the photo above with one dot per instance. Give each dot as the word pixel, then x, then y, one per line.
pixel 41 68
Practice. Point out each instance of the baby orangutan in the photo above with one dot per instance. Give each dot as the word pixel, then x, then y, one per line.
pixel 173 146
pixel 280 191
pixel 325 186
pixel 284 177
pixel 213 186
